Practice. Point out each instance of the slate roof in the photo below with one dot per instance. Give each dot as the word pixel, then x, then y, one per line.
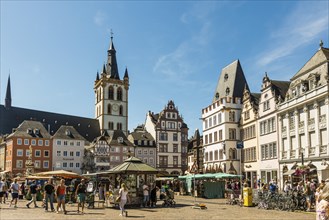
pixel 231 77
pixel 112 139
pixel 12 117
pixel 68 132
pixel 28 129
pixel 320 57
pixel 280 87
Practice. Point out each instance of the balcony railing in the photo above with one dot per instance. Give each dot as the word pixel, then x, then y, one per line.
pixel 292 153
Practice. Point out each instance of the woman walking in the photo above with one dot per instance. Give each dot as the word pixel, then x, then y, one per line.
pixel 61 192
pixel 123 193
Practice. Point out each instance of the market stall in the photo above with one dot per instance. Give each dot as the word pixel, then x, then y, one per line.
pixel 134 173
pixel 208 185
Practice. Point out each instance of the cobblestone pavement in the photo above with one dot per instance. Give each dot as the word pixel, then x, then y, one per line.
pixel 216 209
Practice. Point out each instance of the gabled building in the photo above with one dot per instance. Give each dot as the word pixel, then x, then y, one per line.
pixel 271 93
pixel 30 136
pixel 303 121
pixel 249 135
pixel 195 153
pixel 110 150
pixel 68 149
pixel 221 118
pixel 145 146
pixel 171 135
pixel 11 117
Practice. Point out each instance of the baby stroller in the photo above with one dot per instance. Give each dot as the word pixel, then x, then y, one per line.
pixel 168 198
pixel 90 196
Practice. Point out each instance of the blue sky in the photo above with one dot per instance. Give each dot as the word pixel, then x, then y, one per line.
pixel 174 50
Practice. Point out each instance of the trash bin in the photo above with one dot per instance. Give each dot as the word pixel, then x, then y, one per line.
pixel 247 196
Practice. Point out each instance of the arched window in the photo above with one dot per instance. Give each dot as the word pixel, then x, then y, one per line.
pixel 111 125
pixel 119 94
pixel 119 126
pixel 109 109
pixel 121 110
pixel 111 93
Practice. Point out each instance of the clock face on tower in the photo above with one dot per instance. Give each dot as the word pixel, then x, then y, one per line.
pixel 115 107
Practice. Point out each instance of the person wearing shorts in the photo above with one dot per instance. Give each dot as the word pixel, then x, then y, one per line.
pixel 14 193
pixel 61 193
pixel 80 194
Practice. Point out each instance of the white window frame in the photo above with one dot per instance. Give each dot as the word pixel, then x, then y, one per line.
pixel 44 163
pixel 21 152
pixel 35 153
pixel 19 141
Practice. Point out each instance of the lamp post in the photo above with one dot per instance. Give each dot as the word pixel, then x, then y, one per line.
pixel 239 145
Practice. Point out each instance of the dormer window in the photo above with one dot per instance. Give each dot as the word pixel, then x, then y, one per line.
pixel 120 140
pixel 217 95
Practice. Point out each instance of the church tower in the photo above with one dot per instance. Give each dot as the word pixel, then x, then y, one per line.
pixel 111 95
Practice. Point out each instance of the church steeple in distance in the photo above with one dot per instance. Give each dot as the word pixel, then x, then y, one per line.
pixel 112 66
pixel 8 95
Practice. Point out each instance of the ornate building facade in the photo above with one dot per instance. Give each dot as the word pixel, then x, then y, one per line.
pixel 171 135
pixel 303 121
pixel 221 122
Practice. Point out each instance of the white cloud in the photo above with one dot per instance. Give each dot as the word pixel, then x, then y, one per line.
pixel 99 18
pixel 304 25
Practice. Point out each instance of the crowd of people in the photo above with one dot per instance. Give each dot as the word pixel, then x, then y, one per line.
pixel 49 192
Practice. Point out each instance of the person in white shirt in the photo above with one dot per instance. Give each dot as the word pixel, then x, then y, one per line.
pixel 146 193
pixel 123 193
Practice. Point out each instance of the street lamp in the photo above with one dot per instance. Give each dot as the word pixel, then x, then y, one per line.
pixel 239 145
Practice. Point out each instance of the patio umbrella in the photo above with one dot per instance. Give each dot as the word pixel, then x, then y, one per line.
pixel 59 173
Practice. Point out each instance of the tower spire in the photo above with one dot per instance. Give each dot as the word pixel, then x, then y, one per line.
pixel 8 95
pixel 112 66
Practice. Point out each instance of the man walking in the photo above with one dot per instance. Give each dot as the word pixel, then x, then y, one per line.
pixel 33 191
pixel 80 194
pixel 49 194
pixel 14 187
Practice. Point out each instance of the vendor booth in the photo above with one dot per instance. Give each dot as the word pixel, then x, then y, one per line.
pixel 208 185
pixel 134 173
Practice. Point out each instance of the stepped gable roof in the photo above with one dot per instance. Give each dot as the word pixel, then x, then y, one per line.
pixel 280 87
pixel 68 132
pixel 30 129
pixel 319 58
pixel 11 118
pixel 231 81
